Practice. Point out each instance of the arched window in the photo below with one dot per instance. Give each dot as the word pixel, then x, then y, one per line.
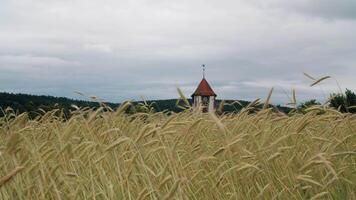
pixel 205 101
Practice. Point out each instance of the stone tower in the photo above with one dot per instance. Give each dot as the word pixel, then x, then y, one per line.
pixel 204 96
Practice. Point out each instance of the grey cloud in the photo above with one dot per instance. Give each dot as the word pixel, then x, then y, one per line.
pixel 121 50
pixel 328 9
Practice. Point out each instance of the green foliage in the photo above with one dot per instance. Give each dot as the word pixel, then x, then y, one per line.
pixel 344 102
pixel 32 103
pixel 307 104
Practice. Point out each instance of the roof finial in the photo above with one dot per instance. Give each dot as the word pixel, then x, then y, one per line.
pixel 203 65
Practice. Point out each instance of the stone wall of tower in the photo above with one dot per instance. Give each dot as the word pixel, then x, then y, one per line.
pixel 197 101
pixel 211 104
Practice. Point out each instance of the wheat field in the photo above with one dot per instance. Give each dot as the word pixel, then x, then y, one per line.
pixel 188 155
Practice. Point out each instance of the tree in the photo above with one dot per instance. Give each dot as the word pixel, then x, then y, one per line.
pixel 344 102
pixel 307 104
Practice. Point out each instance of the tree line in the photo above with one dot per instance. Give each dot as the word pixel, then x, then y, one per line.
pixel 343 102
pixel 19 103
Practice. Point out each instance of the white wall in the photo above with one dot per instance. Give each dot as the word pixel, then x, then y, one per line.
pixel 211 104
pixel 198 102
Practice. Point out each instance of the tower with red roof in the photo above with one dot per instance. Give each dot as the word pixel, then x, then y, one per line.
pixel 204 96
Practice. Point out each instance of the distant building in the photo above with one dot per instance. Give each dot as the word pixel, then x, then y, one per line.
pixel 204 96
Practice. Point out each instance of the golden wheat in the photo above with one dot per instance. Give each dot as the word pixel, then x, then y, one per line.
pixel 99 154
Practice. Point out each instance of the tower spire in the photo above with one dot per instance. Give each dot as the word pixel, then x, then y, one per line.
pixel 203 65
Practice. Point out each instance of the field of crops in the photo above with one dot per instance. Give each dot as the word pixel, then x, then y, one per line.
pixel 187 155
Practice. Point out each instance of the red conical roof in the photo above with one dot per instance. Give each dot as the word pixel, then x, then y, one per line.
pixel 204 89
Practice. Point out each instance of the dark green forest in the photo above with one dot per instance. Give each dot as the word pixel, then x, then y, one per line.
pixel 34 104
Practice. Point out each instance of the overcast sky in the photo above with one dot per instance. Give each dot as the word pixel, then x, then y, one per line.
pixel 124 49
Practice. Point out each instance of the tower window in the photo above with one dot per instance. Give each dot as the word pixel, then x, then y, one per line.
pixel 205 101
